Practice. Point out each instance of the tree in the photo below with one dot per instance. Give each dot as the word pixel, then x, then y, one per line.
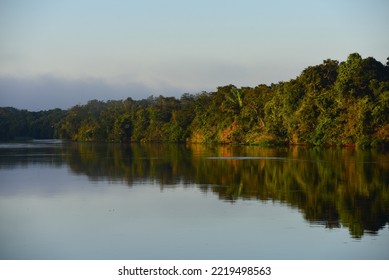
pixel 123 128
pixel 356 74
pixel 327 104
pixel 323 76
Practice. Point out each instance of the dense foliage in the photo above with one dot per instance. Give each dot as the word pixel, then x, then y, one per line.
pixel 22 124
pixel 332 103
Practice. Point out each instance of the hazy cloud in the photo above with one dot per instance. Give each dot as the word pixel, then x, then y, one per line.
pixel 48 92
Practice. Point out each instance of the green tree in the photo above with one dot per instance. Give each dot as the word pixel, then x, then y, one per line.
pixel 123 127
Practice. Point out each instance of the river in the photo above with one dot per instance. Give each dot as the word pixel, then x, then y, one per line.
pixel 66 200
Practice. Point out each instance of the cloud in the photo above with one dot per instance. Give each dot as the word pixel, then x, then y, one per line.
pixel 48 92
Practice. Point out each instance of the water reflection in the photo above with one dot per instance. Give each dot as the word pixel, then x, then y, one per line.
pixel 330 187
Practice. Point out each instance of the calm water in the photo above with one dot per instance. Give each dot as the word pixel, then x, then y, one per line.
pixel 110 201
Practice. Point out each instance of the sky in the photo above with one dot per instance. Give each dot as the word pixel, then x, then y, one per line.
pixel 57 54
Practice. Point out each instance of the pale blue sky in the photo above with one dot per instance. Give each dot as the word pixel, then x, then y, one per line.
pixel 60 53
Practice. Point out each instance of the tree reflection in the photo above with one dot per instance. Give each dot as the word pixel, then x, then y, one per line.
pixel 331 187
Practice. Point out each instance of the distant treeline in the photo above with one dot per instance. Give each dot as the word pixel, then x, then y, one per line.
pixel 332 103
pixel 21 124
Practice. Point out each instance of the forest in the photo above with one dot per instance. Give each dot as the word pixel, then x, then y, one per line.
pixel 331 104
